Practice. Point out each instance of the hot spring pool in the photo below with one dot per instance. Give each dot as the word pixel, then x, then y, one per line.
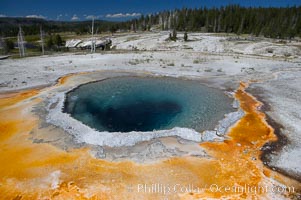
pixel 127 104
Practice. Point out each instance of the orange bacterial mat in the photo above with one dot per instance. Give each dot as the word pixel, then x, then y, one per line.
pixel 41 171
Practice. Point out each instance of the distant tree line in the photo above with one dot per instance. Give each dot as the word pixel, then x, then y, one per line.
pixel 6 45
pixel 268 22
pixel 54 42
pixel 271 22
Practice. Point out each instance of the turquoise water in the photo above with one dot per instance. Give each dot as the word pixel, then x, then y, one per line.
pixel 127 104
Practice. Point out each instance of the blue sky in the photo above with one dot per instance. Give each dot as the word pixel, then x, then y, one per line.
pixel 114 9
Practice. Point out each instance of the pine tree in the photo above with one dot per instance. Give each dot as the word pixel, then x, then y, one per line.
pixel 49 42
pixel 57 40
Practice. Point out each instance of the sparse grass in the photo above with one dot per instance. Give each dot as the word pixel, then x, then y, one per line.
pixel 32 38
pixel 199 60
pixel 196 61
pixel 248 70
pixel 134 62
pixel 138 61
pixel 131 38
pixel 182 65
pixel 282 42
pixel 208 70
pixel 187 47
pixel 269 50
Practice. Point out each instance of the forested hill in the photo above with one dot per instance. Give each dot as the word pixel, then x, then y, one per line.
pixel 268 22
pixel 30 26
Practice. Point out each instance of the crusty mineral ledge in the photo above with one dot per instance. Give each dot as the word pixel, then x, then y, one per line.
pixel 85 134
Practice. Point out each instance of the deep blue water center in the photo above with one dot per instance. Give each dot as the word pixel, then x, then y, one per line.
pixel 127 104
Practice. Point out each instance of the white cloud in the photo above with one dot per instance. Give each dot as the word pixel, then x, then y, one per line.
pixel 59 16
pixel 36 16
pixel 122 15
pixel 91 17
pixel 75 17
pixel 1 15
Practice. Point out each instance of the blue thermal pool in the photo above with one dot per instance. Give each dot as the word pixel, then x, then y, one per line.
pixel 125 104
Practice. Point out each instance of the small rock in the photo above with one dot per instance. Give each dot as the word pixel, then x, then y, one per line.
pixel 246 151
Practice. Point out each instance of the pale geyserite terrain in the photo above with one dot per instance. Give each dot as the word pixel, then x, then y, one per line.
pixel 274 66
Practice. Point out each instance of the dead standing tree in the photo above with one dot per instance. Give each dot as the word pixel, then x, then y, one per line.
pixel 42 34
pixel 93 40
pixel 21 42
